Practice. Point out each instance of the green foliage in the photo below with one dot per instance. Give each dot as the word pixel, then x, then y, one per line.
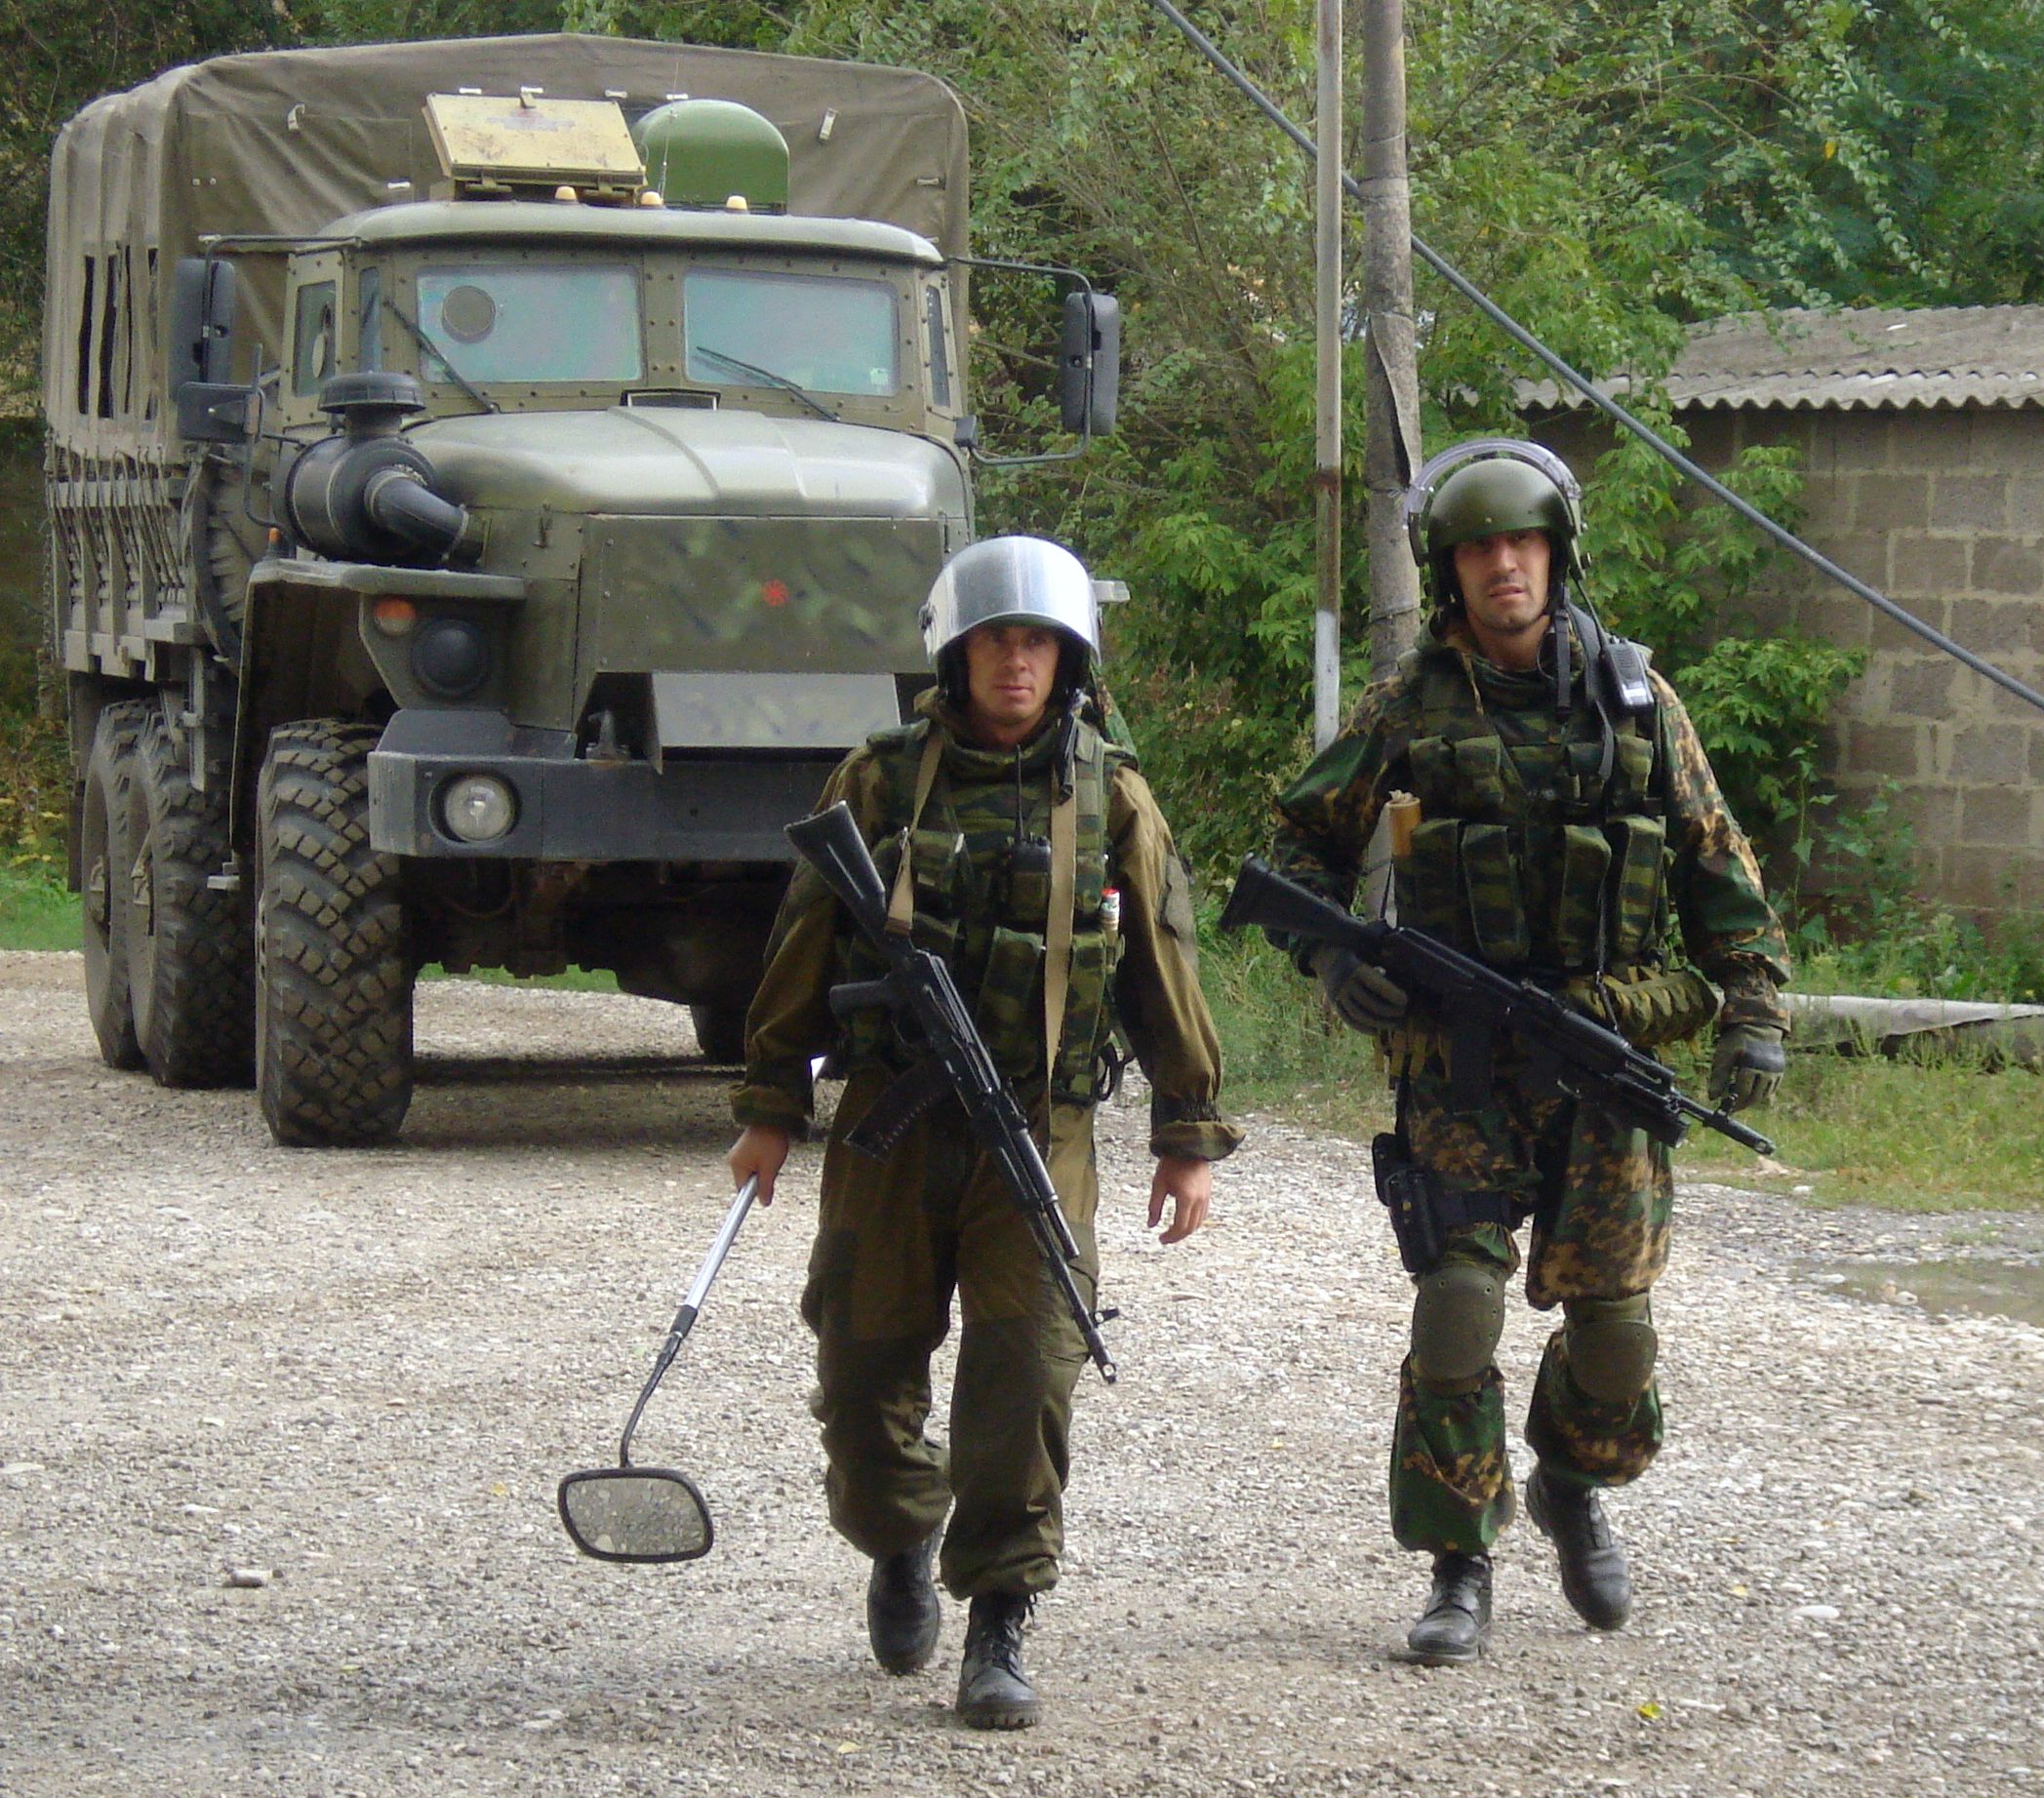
pixel 36 912
pixel 1875 932
pixel 35 792
pixel 1281 1045
pixel 1848 153
pixel 56 59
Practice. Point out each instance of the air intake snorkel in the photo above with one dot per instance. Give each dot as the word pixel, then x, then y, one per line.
pixel 365 495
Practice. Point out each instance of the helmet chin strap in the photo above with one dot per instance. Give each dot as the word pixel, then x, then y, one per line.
pixel 1558 628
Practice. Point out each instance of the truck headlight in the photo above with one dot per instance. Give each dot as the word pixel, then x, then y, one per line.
pixel 478 808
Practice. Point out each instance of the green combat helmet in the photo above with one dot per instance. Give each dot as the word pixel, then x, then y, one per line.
pixel 1480 488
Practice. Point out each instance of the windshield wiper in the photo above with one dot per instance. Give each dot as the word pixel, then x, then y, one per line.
pixel 767 375
pixel 428 347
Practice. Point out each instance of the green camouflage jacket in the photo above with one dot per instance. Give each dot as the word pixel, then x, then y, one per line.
pixel 1728 930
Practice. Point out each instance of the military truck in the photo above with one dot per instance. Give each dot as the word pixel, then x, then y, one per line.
pixel 489 484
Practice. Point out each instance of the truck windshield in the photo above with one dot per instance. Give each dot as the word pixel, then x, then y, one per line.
pixel 534 322
pixel 826 334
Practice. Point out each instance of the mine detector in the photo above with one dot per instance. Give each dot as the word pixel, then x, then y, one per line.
pixel 491 483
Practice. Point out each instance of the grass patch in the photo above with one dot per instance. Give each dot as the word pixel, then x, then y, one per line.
pixel 36 912
pixel 575 980
pixel 1944 1134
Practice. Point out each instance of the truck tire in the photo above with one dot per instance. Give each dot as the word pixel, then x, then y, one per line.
pixel 720 1031
pixel 190 955
pixel 105 863
pixel 333 966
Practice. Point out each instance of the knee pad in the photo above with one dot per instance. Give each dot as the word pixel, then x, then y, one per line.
pixel 1611 1345
pixel 1458 1317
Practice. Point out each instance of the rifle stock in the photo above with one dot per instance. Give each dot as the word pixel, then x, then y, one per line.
pixel 830 843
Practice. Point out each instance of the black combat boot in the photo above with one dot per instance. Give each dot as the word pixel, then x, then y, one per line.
pixel 1593 1576
pixel 994 1691
pixel 1456 1626
pixel 902 1611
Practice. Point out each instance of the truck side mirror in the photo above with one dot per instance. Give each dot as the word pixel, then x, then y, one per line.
pixel 210 407
pixel 1089 363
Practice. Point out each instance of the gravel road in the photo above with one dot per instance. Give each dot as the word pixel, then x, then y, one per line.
pixel 350 1381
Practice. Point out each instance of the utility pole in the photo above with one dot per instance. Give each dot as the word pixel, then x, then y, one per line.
pixel 1327 393
pixel 1391 439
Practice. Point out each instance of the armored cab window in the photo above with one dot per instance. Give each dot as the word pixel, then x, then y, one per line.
pixel 533 322
pixel 827 334
pixel 312 353
pixel 369 319
pixel 939 351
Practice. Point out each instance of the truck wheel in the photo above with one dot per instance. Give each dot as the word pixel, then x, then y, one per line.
pixel 105 863
pixel 720 1031
pixel 191 961
pixel 333 969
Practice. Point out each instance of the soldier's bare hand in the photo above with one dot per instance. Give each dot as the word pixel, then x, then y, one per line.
pixel 759 1152
pixel 1189 1184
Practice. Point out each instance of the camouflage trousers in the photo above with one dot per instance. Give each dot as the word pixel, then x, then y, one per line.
pixel 895 1239
pixel 1600 1196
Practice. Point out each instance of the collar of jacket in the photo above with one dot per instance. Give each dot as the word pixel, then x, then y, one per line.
pixel 970 761
pixel 1447 633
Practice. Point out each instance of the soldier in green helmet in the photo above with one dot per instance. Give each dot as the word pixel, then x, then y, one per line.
pixel 1020 844
pixel 1552 812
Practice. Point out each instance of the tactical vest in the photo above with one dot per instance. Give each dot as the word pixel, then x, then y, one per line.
pixel 1534 855
pixel 980 862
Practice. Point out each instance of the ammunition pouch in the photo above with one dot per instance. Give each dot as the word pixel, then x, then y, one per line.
pixel 1423 1213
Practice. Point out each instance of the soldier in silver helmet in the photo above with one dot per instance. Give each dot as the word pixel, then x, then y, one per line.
pixel 1031 856
pixel 1555 817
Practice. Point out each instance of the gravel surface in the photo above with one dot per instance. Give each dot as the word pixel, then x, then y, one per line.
pixel 280 1431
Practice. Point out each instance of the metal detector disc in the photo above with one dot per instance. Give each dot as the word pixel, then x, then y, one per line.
pixel 635 1514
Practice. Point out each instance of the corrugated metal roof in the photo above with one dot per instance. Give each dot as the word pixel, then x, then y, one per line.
pixel 1870 359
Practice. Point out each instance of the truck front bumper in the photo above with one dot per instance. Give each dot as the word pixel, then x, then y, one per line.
pixel 696 808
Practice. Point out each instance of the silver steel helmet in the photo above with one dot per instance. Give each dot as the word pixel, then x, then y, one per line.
pixel 1013 580
pixel 1479 489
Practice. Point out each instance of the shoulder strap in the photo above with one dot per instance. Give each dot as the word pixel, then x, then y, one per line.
pixel 900 904
pixel 1078 764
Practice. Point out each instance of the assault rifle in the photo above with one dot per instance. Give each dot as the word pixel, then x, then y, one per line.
pixel 1584 1059
pixel 919 987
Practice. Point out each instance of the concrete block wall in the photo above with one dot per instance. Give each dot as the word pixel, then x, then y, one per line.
pixel 1942 511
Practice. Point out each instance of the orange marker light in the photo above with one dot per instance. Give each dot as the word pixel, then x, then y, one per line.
pixel 394 618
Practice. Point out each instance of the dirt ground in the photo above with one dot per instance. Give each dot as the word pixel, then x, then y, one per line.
pixel 280 1433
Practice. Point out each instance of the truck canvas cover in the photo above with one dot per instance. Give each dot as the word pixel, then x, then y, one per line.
pixel 289 142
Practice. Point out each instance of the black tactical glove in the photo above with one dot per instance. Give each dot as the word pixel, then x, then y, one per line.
pixel 1747 1067
pixel 1363 997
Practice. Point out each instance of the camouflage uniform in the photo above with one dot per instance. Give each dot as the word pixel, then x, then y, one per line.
pixel 898 1235
pixel 1511 827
